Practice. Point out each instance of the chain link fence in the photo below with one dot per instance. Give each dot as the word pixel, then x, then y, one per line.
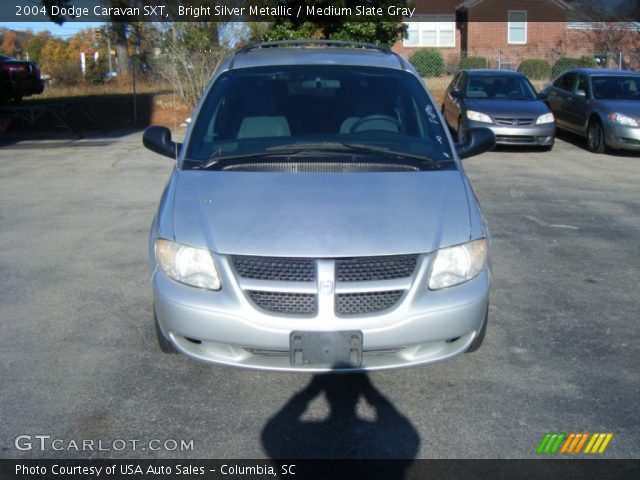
pixel 438 67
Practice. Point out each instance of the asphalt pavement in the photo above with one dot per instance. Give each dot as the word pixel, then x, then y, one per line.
pixel 79 361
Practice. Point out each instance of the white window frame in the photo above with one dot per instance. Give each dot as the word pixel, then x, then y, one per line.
pixel 511 42
pixel 438 20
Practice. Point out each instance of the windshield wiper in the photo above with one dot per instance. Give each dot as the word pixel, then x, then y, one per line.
pixel 305 148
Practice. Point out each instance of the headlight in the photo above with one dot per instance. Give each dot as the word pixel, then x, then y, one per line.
pixel 459 264
pixel 193 266
pixel 478 117
pixel 546 118
pixel 623 119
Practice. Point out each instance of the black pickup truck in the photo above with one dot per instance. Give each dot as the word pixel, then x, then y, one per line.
pixel 18 79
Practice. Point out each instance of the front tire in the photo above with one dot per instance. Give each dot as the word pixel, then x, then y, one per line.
pixel 165 345
pixel 479 338
pixel 595 137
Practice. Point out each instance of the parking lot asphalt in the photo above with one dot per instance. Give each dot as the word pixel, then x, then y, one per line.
pixel 78 358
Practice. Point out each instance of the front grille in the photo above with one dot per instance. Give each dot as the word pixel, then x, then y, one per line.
pixel 275 268
pixel 515 139
pixel 366 302
pixel 367 269
pixel 281 302
pixel 514 122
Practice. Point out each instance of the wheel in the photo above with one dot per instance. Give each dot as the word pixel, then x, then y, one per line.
pixel 595 137
pixel 165 345
pixel 477 342
pixel 460 133
pixel 373 118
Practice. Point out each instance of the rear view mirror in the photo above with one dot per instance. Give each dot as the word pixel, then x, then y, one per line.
pixel 478 140
pixel 158 140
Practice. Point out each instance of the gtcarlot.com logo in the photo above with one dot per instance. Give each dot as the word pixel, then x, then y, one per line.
pixel 49 443
pixel 574 443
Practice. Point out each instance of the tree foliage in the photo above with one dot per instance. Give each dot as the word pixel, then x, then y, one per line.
pixel 370 30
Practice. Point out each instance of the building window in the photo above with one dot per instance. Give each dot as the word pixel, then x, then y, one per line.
pixel 517 26
pixel 431 31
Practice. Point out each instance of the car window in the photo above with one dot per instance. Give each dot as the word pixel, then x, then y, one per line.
pixel 459 83
pixel 566 82
pixel 500 86
pixel 249 110
pixel 583 84
pixel 616 87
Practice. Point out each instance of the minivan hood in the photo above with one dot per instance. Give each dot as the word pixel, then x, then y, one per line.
pixel 320 215
pixel 509 108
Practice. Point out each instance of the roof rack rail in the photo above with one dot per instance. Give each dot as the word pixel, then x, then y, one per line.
pixel 319 42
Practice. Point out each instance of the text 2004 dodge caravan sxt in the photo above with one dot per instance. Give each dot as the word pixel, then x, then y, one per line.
pixel 318 218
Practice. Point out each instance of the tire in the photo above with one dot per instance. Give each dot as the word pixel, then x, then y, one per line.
pixel 595 137
pixel 477 341
pixel 165 345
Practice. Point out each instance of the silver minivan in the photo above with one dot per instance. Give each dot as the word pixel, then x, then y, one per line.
pixel 318 217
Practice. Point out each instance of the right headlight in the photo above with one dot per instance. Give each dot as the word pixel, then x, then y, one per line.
pixel 545 118
pixel 458 264
pixel 189 265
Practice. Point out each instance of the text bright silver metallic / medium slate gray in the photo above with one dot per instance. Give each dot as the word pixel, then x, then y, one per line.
pixel 318 218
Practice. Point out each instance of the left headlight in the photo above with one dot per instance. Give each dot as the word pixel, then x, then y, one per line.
pixel 459 264
pixel 189 265
pixel 545 118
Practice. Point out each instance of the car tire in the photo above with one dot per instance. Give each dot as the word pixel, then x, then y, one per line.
pixel 595 137
pixel 165 345
pixel 479 338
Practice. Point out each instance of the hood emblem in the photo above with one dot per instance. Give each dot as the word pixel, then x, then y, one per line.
pixel 326 287
pixel 515 121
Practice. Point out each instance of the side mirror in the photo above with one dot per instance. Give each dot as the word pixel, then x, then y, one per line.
pixel 455 93
pixel 580 93
pixel 158 140
pixel 478 140
pixel 543 95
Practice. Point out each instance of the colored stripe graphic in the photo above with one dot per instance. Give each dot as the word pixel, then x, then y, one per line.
pixel 574 443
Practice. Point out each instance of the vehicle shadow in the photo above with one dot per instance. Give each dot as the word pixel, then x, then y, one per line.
pixel 343 434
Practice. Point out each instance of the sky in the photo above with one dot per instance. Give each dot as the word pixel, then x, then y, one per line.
pixel 64 31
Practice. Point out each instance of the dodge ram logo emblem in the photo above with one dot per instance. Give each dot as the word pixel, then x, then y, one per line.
pixel 326 287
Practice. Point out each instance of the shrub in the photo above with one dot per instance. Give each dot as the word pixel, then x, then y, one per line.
pixel 473 62
pixel 564 63
pixel 535 69
pixel 428 62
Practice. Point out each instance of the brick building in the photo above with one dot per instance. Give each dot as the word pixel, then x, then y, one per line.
pixel 507 29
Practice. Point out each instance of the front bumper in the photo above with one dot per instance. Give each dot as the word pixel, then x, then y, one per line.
pixel 225 328
pixel 533 135
pixel 621 137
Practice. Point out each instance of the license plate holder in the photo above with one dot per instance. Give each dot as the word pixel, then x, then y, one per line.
pixel 342 349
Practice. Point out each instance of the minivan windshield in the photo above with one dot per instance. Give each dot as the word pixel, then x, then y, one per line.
pixel 616 87
pixel 510 87
pixel 250 111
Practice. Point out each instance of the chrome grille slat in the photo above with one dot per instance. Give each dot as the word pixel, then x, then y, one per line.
pixel 521 122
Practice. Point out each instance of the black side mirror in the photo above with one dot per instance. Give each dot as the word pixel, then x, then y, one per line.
pixel 158 139
pixel 580 93
pixel 543 95
pixel 478 140
pixel 455 93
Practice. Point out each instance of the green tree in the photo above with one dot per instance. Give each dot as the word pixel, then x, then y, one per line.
pixel 370 30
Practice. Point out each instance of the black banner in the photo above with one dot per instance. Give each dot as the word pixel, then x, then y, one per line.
pixel 319 469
